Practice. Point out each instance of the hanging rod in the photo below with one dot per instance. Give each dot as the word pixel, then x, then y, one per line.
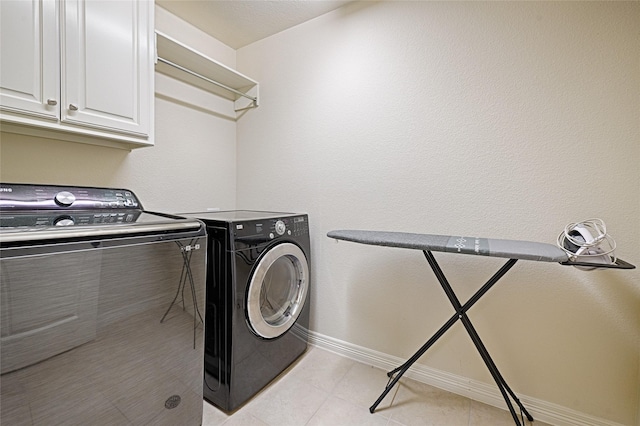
pixel 254 100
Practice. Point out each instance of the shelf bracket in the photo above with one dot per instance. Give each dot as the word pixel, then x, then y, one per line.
pixel 253 104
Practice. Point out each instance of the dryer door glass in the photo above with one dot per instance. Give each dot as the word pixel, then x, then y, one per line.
pixel 277 290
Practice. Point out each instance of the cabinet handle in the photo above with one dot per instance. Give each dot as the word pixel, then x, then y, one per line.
pixel 52 102
pixel 73 107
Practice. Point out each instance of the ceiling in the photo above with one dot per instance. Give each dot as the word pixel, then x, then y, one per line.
pixel 238 23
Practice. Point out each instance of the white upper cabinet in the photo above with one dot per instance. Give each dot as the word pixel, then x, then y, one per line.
pixel 30 61
pixel 107 78
pixel 79 70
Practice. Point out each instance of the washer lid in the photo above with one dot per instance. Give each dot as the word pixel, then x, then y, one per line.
pixel 84 225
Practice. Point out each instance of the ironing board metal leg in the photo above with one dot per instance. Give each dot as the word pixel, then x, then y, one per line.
pixel 404 367
pixel 472 300
pixel 460 315
pixel 426 346
pixel 502 384
pixel 505 390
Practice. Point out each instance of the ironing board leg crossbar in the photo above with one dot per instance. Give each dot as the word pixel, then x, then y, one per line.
pixel 461 314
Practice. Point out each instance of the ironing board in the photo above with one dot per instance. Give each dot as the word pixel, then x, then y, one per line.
pixel 513 250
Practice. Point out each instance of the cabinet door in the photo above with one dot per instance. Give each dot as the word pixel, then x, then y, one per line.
pixel 29 70
pixel 107 65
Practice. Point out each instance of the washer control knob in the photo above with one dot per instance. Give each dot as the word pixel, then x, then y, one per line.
pixel 64 221
pixel 280 227
pixel 65 198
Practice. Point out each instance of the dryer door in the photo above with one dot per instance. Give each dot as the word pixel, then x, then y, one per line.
pixel 277 290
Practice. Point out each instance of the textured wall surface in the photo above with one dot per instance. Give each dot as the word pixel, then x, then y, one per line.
pixel 192 165
pixel 503 120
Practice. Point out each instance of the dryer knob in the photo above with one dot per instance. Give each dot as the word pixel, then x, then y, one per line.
pixel 280 227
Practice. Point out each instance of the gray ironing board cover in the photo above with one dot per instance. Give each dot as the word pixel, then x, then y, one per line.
pixel 512 249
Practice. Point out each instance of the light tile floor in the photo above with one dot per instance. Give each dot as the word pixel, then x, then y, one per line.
pixel 323 388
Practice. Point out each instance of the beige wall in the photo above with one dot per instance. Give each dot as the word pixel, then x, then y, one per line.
pixel 503 120
pixel 192 165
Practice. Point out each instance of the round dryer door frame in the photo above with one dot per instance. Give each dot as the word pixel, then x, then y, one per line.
pixel 288 313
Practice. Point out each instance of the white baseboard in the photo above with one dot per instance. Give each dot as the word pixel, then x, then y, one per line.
pixel 488 394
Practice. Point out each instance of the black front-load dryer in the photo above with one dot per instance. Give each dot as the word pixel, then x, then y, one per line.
pixel 257 314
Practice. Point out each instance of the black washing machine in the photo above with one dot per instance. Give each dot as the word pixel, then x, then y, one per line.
pixel 257 314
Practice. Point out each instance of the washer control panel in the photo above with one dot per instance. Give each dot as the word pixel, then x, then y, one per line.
pixel 53 218
pixel 26 197
pixel 26 205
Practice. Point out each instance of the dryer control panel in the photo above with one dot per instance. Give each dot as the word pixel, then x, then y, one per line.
pixel 300 226
pixel 266 230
